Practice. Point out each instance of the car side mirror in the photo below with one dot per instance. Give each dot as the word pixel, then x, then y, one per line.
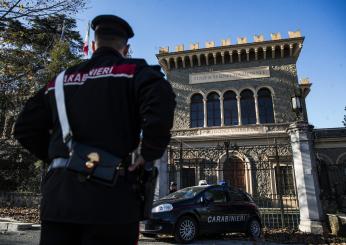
pixel 208 199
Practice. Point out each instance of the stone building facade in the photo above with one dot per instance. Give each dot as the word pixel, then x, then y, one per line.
pixel 234 122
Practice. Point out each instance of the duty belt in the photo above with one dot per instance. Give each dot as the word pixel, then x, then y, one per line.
pixel 62 163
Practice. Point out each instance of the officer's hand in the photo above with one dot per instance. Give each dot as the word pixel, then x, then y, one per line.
pixel 138 163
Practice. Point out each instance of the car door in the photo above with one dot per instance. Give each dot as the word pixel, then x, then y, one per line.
pixel 213 213
pixel 238 210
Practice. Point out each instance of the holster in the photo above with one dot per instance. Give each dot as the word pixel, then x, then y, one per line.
pixel 146 185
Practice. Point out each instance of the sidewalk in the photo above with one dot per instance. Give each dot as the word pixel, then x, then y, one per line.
pixel 11 225
pixel 14 232
pixel 31 237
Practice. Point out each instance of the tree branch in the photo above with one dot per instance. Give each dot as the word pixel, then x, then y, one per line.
pixel 9 10
pixel 40 9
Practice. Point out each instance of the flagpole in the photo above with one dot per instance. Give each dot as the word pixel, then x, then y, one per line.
pixel 88 38
pixel 62 30
pixel 86 42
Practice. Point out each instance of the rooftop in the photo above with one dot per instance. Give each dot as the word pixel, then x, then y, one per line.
pixel 242 51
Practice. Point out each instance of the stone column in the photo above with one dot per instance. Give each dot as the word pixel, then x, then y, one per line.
pixel 205 112
pixel 274 107
pixel 282 48
pixel 247 55
pixel 214 55
pixel 306 177
pixel 239 110
pixel 239 55
pixel 264 53
pixel 273 52
pixel 223 57
pixel 162 187
pixel 191 61
pixel 257 109
pixel 297 50
pixel 256 53
pixel 222 111
pixel 291 49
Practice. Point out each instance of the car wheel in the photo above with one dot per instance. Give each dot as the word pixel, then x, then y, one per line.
pixel 186 230
pixel 150 235
pixel 254 229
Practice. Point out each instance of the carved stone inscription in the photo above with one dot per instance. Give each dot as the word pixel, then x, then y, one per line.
pixel 232 74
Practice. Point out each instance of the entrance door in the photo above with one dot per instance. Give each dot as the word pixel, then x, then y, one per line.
pixel 234 172
pixel 187 177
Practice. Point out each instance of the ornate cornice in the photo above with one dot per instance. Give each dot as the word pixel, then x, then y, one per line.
pixel 252 131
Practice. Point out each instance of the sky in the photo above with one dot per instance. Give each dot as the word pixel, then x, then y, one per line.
pixel 161 23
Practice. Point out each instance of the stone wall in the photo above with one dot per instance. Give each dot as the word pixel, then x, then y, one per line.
pixel 282 80
pixel 16 199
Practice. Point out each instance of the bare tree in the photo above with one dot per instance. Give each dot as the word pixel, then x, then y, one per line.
pixel 16 9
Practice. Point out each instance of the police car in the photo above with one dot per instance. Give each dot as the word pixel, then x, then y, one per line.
pixel 203 209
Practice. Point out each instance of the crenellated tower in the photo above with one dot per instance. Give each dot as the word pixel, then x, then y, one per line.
pixel 258 78
pixel 258 50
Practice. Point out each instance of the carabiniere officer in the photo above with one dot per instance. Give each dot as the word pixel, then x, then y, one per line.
pixel 109 99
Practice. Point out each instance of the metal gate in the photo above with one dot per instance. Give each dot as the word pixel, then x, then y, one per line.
pixel 264 171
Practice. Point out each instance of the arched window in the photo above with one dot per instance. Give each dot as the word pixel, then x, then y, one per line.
pixel 194 61
pixel 269 53
pixel 218 58
pixel 187 62
pixel 203 60
pixel 277 52
pixel 260 54
pixel 213 109
pixel 210 59
pixel 265 106
pixel 243 56
pixel 252 55
pixel 230 108
pixel 171 63
pixel 196 111
pixel 179 62
pixel 247 103
pixel 227 57
pixel 286 50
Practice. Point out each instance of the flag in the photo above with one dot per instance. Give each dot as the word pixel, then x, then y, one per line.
pixel 86 42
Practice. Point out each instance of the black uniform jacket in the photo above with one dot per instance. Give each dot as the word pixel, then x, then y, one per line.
pixel 109 100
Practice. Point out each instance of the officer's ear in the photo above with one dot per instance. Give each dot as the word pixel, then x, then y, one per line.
pixel 126 50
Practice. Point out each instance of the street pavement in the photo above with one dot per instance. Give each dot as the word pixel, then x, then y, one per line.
pixel 31 237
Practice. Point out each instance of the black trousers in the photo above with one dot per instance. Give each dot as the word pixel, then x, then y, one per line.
pixel 55 233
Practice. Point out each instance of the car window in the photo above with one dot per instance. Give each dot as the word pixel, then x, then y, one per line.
pixel 219 196
pixel 185 193
pixel 237 196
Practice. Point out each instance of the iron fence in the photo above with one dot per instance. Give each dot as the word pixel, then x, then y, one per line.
pixel 264 171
